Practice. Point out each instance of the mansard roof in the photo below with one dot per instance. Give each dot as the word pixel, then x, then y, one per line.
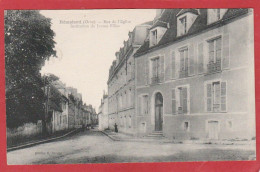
pixel 191 10
pixel 200 24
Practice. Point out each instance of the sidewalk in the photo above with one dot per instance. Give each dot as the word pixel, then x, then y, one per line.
pixel 124 137
pixel 36 142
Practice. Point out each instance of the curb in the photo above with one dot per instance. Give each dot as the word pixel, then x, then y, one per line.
pixel 131 140
pixel 112 138
pixel 39 142
pixel 173 141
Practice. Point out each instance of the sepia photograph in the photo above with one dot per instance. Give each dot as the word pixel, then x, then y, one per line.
pixel 129 85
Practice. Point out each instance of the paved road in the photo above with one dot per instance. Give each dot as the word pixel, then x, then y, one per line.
pixel 94 147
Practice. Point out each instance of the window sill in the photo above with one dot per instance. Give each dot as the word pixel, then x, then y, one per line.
pixel 216 112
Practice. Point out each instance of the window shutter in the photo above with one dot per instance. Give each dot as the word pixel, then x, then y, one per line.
pixel 185 100
pixel 146 104
pixel 173 65
pixel 173 102
pixel 140 105
pixel 225 63
pixel 177 64
pixel 200 58
pixel 133 71
pixel 191 60
pixel 223 96
pixel 209 97
pixel 161 68
pixel 146 71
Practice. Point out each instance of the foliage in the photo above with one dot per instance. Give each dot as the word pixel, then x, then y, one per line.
pixel 28 44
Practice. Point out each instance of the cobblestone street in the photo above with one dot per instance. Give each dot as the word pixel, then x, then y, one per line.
pixel 95 147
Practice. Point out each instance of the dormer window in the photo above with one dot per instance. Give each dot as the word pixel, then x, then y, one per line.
pixel 185 19
pixel 215 15
pixel 156 34
pixel 183 25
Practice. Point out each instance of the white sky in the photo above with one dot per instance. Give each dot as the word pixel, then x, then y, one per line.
pixel 85 54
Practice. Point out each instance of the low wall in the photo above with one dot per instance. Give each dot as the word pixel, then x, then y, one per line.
pixel 23 133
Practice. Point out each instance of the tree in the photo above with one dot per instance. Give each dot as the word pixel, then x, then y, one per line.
pixel 29 42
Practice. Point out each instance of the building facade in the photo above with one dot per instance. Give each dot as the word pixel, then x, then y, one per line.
pixel 121 82
pixel 103 113
pixel 195 75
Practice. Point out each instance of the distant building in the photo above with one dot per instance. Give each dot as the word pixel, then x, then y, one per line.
pixel 57 111
pixel 121 82
pixel 76 103
pixel 61 87
pixel 103 113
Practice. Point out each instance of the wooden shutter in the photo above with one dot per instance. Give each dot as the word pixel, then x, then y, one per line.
pixel 146 71
pixel 145 104
pixel 161 68
pixel 173 65
pixel 133 71
pixel 225 62
pixel 191 68
pixel 223 96
pixel 177 64
pixel 200 58
pixel 209 97
pixel 173 102
pixel 185 100
pixel 140 105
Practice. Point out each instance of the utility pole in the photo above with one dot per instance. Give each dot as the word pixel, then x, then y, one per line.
pixel 46 92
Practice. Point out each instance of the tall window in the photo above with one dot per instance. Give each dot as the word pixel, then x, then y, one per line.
pixel 154 37
pixel 216 96
pixel 184 62
pixel 182 95
pixel 183 25
pixel 155 69
pixel 129 121
pixel 143 104
pixel 180 100
pixel 129 98
pixel 214 49
pixel 214 55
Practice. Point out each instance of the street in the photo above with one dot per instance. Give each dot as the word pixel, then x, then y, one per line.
pixel 95 147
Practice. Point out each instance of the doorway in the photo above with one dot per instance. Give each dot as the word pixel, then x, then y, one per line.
pixel 158 112
pixel 213 129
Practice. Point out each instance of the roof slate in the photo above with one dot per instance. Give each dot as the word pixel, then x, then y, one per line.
pixel 200 24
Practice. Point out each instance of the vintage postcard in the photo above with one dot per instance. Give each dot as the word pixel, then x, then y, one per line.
pixel 129 85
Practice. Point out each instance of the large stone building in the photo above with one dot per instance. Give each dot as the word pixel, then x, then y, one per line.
pixel 121 82
pixel 195 75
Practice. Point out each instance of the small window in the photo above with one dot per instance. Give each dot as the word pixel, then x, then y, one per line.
pixel 186 126
pixel 229 124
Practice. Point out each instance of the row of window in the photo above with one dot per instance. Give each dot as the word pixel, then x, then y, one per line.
pixel 213 56
pixel 185 21
pixel 61 119
pixel 122 77
pixel 186 125
pixel 121 101
pixel 123 121
pixel 215 99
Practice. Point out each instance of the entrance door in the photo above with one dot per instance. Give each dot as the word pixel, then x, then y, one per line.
pixel 213 129
pixel 158 112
